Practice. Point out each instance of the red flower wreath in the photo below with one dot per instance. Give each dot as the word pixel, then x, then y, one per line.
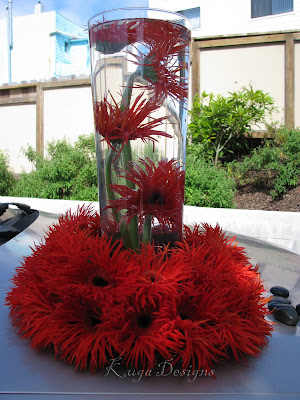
pixel 90 300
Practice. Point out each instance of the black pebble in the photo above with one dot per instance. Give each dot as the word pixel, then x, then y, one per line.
pixel 298 308
pixel 287 315
pixel 279 291
pixel 273 304
pixel 279 299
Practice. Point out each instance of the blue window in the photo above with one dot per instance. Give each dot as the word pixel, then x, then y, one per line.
pixel 193 14
pixel 261 8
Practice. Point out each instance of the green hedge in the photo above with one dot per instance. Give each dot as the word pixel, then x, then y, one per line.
pixel 70 172
pixel 67 172
pixel 6 176
pixel 207 185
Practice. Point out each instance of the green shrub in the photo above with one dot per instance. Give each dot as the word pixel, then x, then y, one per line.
pixel 200 150
pixel 275 165
pixel 6 176
pixel 223 122
pixel 207 185
pixel 67 172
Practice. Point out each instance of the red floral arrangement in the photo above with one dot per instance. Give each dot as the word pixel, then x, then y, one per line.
pixel 91 300
pixel 134 284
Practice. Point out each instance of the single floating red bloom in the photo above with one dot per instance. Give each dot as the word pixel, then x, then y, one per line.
pixel 112 37
pixel 159 193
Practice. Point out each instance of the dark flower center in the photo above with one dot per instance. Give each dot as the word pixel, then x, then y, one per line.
pixel 144 321
pixel 94 320
pixel 99 281
pixel 183 316
pixel 186 311
pixel 156 198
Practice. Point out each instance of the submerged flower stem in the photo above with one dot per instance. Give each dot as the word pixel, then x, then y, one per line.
pixel 128 90
pixel 108 178
pixel 147 229
pixel 111 197
pixel 127 158
pixel 133 225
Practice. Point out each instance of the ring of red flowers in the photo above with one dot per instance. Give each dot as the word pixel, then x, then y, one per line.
pixel 91 300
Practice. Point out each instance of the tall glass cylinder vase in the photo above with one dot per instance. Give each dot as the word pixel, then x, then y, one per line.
pixel 140 63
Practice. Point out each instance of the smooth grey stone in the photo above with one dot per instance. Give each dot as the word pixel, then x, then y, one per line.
pixel 287 315
pixel 275 304
pixel 279 299
pixel 298 308
pixel 280 291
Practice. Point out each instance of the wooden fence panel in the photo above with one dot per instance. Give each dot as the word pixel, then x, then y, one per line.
pixel 290 90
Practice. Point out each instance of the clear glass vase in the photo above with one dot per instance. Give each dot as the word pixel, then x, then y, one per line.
pixel 140 63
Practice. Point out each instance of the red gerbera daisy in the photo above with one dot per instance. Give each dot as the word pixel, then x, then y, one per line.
pixel 215 239
pixel 175 37
pixel 161 274
pixel 85 337
pixel 141 333
pixel 32 306
pixel 73 261
pixel 224 295
pixel 117 123
pixel 163 72
pixel 112 37
pixel 159 193
pixel 195 325
pixel 84 219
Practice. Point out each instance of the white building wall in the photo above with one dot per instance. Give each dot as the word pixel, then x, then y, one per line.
pixel 31 54
pixel 18 130
pixel 52 55
pixel 220 17
pixel 3 52
pixel 68 112
pixel 37 50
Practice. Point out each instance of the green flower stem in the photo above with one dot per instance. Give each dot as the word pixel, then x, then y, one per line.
pixel 111 196
pixel 133 225
pixel 127 157
pixel 129 233
pixel 108 179
pixel 128 90
pixel 126 235
pixel 147 229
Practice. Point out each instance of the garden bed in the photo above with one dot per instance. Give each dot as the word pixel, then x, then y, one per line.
pixel 252 198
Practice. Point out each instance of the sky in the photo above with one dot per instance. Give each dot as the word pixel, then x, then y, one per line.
pixel 78 11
